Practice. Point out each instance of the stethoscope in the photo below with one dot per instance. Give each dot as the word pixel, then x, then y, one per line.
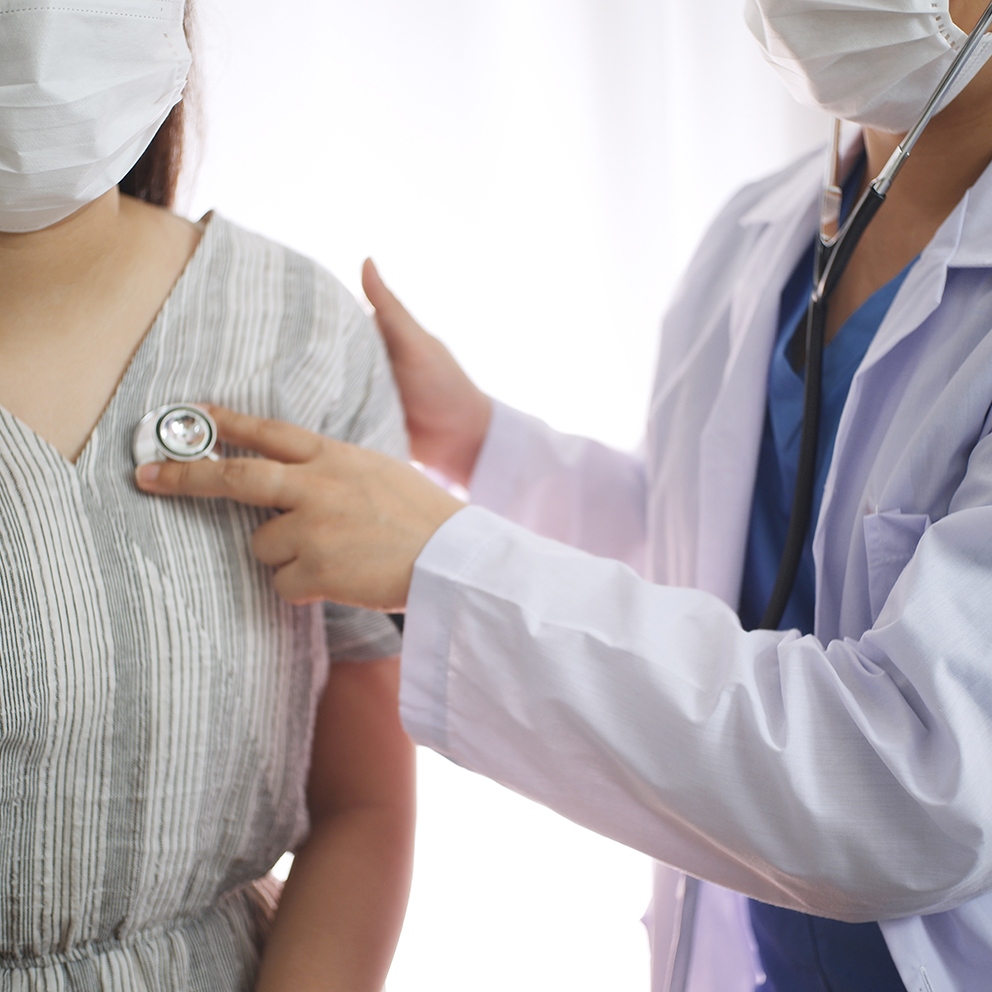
pixel 182 432
pixel 834 248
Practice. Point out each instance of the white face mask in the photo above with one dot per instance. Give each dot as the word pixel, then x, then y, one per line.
pixel 873 62
pixel 82 93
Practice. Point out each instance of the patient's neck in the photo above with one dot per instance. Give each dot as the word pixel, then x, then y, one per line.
pixel 76 300
pixel 44 271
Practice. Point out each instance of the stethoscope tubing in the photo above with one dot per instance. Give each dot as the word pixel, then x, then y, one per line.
pixel 833 253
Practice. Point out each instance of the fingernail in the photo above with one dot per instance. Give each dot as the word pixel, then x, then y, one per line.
pixel 148 473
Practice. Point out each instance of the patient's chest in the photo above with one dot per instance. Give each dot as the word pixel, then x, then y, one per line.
pixel 157 703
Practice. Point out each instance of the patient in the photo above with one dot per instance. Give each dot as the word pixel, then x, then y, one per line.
pixel 169 726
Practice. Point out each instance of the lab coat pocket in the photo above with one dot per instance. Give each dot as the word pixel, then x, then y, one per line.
pixel 890 541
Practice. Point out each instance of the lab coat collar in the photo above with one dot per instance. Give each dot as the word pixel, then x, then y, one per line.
pixel 790 199
pixel 972 222
pixel 731 437
pixel 963 238
pixel 729 454
pixel 962 241
pixel 794 195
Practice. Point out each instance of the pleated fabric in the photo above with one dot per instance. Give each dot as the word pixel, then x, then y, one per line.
pixel 157 697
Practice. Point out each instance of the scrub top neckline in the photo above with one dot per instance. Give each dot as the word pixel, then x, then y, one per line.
pixel 836 358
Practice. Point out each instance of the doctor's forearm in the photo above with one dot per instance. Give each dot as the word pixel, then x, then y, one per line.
pixel 568 488
pixel 761 761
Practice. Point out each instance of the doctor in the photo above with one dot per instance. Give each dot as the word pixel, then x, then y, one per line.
pixel 817 778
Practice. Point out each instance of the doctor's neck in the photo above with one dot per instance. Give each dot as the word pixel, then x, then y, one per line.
pixel 950 156
pixel 952 153
pixel 956 146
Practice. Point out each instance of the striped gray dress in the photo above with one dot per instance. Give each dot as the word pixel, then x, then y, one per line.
pixel 157 697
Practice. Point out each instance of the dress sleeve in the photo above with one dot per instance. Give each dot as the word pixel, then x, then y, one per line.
pixel 561 486
pixel 373 418
pixel 848 779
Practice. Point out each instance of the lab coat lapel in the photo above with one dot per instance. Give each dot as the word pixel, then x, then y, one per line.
pixel 962 241
pixel 732 435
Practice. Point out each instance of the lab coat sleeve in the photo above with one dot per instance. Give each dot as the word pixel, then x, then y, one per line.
pixel 850 780
pixel 565 487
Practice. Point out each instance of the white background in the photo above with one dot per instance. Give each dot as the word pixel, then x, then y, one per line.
pixel 531 176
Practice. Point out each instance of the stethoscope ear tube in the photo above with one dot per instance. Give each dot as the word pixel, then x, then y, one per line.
pixel 831 261
pixel 802 499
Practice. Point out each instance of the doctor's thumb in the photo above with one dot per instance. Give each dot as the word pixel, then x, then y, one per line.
pixel 400 332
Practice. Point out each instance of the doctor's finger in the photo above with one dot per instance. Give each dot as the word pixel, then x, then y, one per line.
pixel 256 481
pixel 272 439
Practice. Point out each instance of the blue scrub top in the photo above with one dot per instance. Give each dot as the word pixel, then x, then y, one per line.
pixel 802 953
pixel 779 458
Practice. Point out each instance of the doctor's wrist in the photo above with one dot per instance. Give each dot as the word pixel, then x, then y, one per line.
pixel 453 449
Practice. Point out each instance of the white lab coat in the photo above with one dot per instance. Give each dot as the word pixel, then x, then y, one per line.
pixel 848 773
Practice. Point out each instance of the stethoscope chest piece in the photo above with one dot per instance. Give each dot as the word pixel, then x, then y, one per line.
pixel 179 432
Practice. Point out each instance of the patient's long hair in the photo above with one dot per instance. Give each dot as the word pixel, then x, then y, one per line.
pixel 155 175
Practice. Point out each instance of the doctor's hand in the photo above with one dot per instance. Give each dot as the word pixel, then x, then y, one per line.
pixel 354 520
pixel 447 415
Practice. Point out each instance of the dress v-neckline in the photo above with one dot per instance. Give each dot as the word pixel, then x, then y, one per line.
pixel 147 342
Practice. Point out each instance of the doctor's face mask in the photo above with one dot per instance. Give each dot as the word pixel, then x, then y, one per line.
pixel 83 89
pixel 873 62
